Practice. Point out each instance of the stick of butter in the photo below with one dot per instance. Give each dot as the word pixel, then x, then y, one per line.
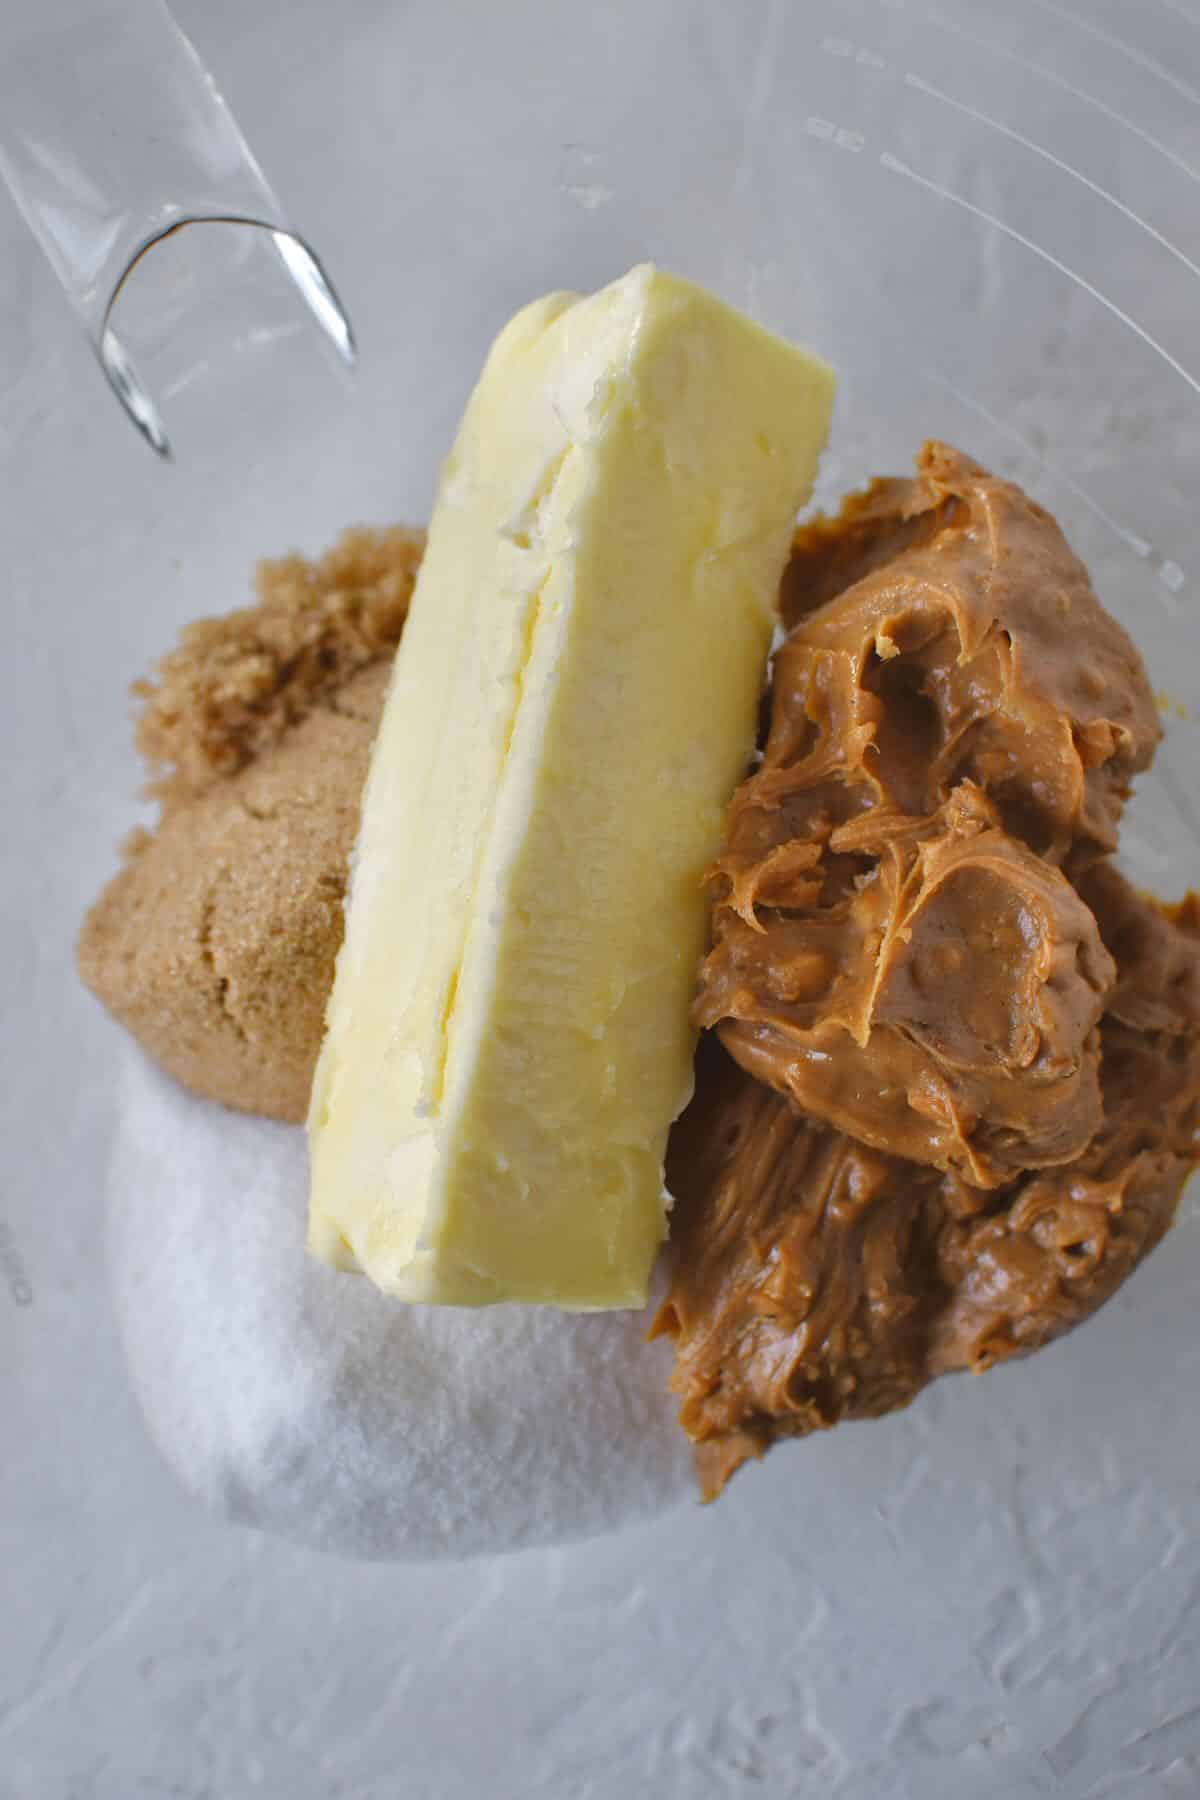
pixel 574 700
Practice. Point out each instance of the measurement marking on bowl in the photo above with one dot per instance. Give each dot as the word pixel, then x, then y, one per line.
pixel 1067 87
pixel 935 187
pixel 1018 137
pixel 1181 12
pixel 1139 57
pixel 579 178
pixel 859 53
pixel 842 137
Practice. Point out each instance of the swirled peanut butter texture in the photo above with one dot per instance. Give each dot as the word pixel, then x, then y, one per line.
pixel 898 945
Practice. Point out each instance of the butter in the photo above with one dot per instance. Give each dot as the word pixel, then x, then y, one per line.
pixel 574 700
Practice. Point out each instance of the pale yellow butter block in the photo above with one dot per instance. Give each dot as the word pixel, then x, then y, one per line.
pixel 574 701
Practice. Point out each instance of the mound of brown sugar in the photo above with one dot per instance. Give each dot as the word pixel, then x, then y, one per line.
pixel 236 683
pixel 215 943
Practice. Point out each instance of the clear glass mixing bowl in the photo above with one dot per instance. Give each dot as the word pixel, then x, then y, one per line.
pixel 987 219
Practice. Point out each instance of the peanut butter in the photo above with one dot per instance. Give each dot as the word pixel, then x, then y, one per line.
pixel 958 1095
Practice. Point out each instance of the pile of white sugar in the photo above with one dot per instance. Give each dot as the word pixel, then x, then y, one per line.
pixel 300 1400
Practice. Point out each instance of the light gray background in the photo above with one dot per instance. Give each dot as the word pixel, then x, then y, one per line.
pixel 992 1595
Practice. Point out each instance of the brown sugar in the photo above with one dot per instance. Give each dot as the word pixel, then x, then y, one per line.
pixel 235 684
pixel 215 943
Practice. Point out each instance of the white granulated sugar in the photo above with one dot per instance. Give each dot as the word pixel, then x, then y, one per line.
pixel 298 1399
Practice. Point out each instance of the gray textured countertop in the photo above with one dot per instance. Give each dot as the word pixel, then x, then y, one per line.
pixel 993 1595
